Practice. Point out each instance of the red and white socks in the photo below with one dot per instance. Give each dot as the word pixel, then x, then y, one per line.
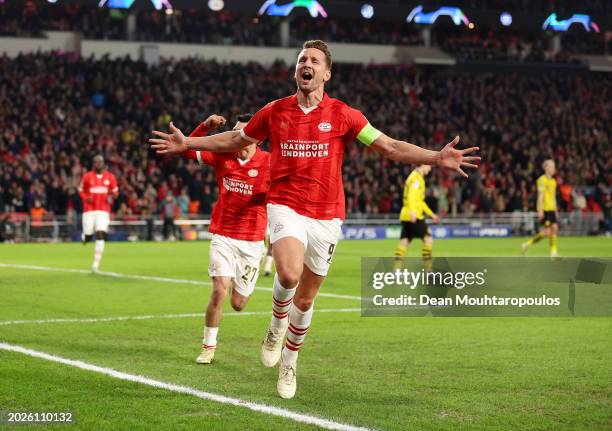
pixel 282 299
pixel 209 342
pixel 98 251
pixel 299 322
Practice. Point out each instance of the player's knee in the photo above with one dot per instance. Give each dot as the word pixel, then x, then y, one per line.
pixel 288 277
pixel 302 303
pixel 100 235
pixel 238 304
pixel 218 295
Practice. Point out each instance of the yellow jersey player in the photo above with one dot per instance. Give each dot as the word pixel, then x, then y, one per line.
pixel 412 214
pixel 547 208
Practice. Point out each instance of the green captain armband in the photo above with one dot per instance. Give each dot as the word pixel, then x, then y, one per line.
pixel 368 135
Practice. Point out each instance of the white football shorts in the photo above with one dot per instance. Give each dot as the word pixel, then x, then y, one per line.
pixel 236 259
pixel 95 221
pixel 319 237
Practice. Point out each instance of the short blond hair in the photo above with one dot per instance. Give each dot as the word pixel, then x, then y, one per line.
pixel 321 46
pixel 547 162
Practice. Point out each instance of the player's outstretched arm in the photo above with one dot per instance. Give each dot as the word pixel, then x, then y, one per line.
pixel 449 157
pixel 176 142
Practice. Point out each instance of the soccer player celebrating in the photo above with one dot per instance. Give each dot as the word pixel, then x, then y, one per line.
pixel 97 189
pixel 238 226
pixel 547 208
pixel 411 216
pixel 307 133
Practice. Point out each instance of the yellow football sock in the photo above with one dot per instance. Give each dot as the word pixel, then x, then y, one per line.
pixel 426 255
pixel 553 243
pixel 400 251
pixel 535 239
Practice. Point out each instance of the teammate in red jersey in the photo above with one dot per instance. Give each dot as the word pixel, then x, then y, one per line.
pixel 97 189
pixel 307 134
pixel 238 226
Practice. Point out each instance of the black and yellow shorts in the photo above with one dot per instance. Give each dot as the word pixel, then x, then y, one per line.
pixel 550 218
pixel 419 229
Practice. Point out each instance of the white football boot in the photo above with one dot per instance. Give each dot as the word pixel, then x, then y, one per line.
pixel 272 346
pixel 524 248
pixel 206 357
pixel 287 379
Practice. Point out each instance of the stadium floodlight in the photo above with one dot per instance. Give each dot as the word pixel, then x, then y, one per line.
pixel 126 4
pixel 161 4
pixel 417 15
pixel 367 11
pixel 272 9
pixel 116 4
pixel 216 5
pixel 506 19
pixel 552 23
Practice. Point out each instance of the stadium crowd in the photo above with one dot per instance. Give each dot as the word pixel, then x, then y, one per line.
pixel 30 19
pixel 57 111
pixel 510 46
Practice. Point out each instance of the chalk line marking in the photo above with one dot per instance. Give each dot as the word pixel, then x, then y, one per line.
pixel 157 316
pixel 261 408
pixel 151 278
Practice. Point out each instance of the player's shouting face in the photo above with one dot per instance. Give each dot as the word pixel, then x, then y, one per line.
pixel 312 70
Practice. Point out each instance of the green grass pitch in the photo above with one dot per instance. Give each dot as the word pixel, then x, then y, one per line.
pixel 381 373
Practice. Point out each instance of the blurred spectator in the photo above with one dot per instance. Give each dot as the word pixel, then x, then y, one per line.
pixel 183 202
pixel 169 210
pixel 49 130
pixel 31 19
pixel 606 223
pixel 37 217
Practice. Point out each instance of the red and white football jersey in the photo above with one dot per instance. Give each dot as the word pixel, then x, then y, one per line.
pixel 307 148
pixel 240 212
pixel 98 188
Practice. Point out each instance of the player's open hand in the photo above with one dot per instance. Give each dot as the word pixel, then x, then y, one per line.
pixel 169 143
pixel 435 218
pixel 454 159
pixel 215 121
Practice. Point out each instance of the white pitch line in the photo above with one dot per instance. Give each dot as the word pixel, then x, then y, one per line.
pixel 261 408
pixel 157 316
pixel 151 278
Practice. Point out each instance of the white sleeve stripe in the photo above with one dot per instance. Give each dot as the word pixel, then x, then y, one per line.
pixel 199 156
pixel 248 138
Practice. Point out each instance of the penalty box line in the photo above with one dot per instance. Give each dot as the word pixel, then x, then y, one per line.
pixel 256 407
pixel 156 316
pixel 151 278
